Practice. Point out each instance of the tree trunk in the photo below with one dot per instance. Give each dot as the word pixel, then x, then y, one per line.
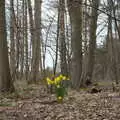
pixel 26 42
pixel 63 61
pixel 75 12
pixel 32 32
pixel 12 39
pixel 6 84
pixel 92 43
pixel 57 42
pixel 112 66
pixel 36 57
pixel 22 41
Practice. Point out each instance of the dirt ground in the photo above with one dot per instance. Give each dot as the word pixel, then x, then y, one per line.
pixel 34 103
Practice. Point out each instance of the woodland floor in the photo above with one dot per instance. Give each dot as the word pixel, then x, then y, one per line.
pixel 34 103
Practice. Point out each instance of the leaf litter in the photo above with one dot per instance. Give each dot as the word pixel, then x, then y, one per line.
pixel 37 104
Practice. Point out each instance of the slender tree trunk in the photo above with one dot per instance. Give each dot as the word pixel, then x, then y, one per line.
pixel 26 42
pixel 22 40
pixel 68 45
pixel 85 43
pixel 62 42
pixel 57 43
pixel 6 84
pixel 18 38
pixel 12 40
pixel 32 32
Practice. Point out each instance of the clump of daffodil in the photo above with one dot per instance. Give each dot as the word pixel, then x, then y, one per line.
pixel 60 89
pixel 56 80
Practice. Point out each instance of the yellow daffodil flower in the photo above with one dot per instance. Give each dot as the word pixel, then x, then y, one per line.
pixel 61 76
pixel 57 80
pixel 49 81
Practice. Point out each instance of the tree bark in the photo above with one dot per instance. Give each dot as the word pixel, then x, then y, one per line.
pixel 92 44
pixel 63 61
pixel 36 57
pixel 6 84
pixel 75 12
pixel 12 39
pixel 26 42
pixel 32 32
